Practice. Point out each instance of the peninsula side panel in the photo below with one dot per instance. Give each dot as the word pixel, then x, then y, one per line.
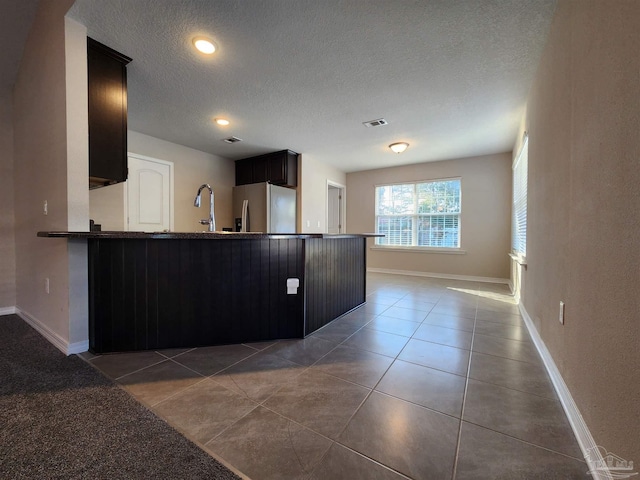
pixel 335 279
pixel 154 294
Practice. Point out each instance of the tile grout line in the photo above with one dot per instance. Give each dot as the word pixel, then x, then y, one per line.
pixel 262 404
pixel 204 377
pixel 505 358
pixel 159 352
pixel 332 441
pixel 464 401
pixel 115 379
pixel 371 390
pixel 581 459
pixel 230 425
pixel 514 390
pixel 368 395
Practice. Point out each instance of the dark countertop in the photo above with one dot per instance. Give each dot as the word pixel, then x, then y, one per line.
pixel 198 235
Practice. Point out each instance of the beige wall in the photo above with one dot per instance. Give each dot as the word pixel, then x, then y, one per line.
pixel 7 237
pixel 77 122
pixel 192 169
pixel 314 175
pixel 485 217
pixel 583 117
pixel 107 207
pixel 40 171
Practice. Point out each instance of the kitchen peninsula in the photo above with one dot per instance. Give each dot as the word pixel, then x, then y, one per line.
pixel 172 290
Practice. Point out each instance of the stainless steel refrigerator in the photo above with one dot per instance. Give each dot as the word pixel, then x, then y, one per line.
pixel 264 208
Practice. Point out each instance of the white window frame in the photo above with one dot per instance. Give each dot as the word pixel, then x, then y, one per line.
pixel 416 216
pixel 519 203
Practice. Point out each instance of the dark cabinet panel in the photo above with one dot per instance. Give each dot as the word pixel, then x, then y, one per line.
pixel 244 172
pixel 335 279
pixel 107 80
pixel 151 294
pixel 259 169
pixel 283 168
pixel 279 168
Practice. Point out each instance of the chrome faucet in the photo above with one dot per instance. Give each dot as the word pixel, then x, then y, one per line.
pixel 212 219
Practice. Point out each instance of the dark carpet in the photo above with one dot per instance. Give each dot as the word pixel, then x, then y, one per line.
pixel 62 419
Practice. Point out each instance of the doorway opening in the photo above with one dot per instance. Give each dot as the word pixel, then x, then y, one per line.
pixel 335 207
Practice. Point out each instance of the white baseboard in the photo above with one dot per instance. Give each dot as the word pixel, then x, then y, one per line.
pixel 439 275
pixel 591 452
pixel 78 347
pixel 60 343
pixel 7 311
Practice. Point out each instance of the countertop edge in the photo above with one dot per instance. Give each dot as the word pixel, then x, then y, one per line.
pixel 197 235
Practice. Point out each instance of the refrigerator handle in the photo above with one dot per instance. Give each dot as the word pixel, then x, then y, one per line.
pixel 245 206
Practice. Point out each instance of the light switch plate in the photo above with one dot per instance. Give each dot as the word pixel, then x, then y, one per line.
pixel 561 316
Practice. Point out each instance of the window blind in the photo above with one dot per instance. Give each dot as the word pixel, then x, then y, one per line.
pixel 519 207
pixel 425 214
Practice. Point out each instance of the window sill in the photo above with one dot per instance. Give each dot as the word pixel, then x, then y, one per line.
pixel 519 259
pixel 395 248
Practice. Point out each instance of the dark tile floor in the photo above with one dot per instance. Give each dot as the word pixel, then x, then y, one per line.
pixel 431 379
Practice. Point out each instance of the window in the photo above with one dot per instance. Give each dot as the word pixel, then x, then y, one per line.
pixel 519 207
pixel 423 214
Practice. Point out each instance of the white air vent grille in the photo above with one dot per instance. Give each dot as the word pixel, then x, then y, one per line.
pixel 231 140
pixel 375 123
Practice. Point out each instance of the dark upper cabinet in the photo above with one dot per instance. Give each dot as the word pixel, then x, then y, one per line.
pixel 279 168
pixel 244 172
pixel 259 169
pixel 107 78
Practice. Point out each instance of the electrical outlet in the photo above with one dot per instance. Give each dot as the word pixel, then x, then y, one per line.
pixel 45 210
pixel 46 285
pixel 561 316
pixel 318 223
pixel 308 223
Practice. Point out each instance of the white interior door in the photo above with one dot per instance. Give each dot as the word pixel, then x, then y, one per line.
pixel 334 209
pixel 149 194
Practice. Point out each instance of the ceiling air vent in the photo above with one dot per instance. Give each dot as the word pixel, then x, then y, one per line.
pixel 375 123
pixel 231 140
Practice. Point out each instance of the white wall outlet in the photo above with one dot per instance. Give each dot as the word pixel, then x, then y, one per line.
pixel 292 286
pixel 45 210
pixel 308 223
pixel 318 223
pixel 561 316
pixel 46 285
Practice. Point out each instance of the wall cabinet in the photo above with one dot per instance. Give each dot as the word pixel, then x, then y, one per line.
pixel 279 168
pixel 107 79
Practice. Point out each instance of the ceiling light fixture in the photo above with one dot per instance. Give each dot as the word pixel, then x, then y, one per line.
pixel 204 45
pixel 222 121
pixel 399 147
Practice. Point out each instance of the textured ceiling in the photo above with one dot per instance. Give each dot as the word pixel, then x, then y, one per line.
pixel 15 21
pixel 450 76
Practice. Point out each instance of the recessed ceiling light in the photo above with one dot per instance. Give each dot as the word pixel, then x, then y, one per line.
pixel 399 147
pixel 222 121
pixel 204 45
